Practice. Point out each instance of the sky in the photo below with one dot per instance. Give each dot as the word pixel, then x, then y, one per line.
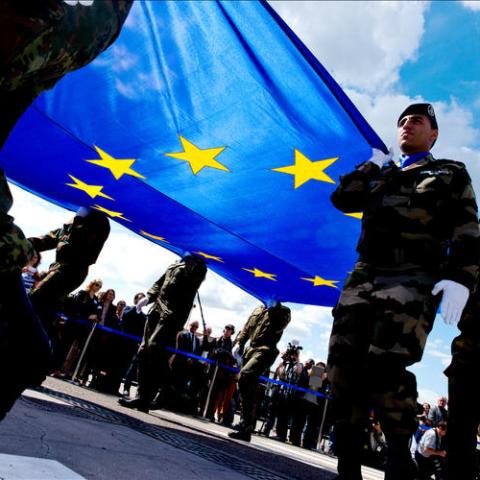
pixel 385 55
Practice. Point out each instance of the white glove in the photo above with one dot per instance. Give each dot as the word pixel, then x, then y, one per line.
pixel 141 303
pixel 379 158
pixel 236 351
pixel 454 299
pixel 237 354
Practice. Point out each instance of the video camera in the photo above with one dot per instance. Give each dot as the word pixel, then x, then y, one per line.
pixel 292 350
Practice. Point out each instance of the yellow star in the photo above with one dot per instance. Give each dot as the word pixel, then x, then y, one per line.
pixel 358 215
pixel 304 169
pixel 198 158
pixel 155 237
pixel 91 190
pixel 259 274
pixel 111 213
pixel 209 257
pixel 319 282
pixel 118 166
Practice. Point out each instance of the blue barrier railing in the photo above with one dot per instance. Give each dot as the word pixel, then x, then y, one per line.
pixel 191 355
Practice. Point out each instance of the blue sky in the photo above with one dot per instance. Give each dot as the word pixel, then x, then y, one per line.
pixel 385 55
pixel 448 63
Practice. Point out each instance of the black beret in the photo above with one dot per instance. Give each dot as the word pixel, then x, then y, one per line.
pixel 421 109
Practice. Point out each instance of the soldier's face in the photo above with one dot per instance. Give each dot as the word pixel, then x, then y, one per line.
pixel 415 134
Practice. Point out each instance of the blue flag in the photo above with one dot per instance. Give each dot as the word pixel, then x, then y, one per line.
pixel 209 128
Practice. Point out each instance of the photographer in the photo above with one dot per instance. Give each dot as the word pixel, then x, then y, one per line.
pixel 290 405
pixel 430 455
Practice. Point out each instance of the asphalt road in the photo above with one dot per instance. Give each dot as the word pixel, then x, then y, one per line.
pixel 68 432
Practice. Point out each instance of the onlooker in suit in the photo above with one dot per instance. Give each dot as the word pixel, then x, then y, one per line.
pixel 133 323
pixel 188 371
pixel 438 413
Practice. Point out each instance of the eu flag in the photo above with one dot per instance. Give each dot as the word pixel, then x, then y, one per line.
pixel 209 128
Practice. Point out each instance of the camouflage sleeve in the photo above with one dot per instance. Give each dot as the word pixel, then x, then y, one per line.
pixel 46 242
pixel 351 194
pixel 464 259
pixel 247 330
pixel 155 289
pixel 5 199
pixel 15 250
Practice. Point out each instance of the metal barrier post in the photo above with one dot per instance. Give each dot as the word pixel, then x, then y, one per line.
pixel 322 424
pixel 80 360
pixel 210 389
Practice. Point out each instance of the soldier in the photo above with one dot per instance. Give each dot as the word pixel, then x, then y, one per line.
pixel 172 297
pixel 39 43
pixel 419 232
pixel 78 244
pixel 463 393
pixel 264 329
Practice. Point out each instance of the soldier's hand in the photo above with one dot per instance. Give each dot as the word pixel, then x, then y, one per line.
pixel 454 299
pixel 379 158
pixel 141 303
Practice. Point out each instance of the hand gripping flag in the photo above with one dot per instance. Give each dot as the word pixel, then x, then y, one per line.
pixel 209 128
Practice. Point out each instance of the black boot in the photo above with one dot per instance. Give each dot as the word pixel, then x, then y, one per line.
pixel 348 441
pixel 400 465
pixel 136 403
pixel 241 435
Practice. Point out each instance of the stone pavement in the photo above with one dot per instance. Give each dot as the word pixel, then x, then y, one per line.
pixel 68 432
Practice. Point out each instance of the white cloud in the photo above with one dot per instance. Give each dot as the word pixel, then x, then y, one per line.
pixel 362 44
pixel 430 396
pixel 439 350
pixel 471 5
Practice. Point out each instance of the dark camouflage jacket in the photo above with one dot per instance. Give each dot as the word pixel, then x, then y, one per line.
pixel 424 215
pixel 78 242
pixel 264 327
pixel 173 293
pixel 40 41
pixel 15 250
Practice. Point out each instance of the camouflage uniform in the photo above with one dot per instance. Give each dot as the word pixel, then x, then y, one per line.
pixel 419 226
pixel 39 43
pixel 264 329
pixel 463 394
pixel 172 296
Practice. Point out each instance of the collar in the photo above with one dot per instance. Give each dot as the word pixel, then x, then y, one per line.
pixel 406 160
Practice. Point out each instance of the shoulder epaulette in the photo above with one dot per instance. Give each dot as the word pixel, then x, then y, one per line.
pixel 451 163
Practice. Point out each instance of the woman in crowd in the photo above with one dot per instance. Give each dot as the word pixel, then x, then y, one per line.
pixel 83 305
pixel 30 275
pixel 107 368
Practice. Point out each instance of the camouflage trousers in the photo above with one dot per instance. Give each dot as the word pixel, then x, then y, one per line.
pixel 463 392
pixel 24 345
pixel 153 357
pixel 380 327
pixel 256 361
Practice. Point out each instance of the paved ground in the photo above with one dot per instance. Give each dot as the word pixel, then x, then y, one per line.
pixel 69 432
